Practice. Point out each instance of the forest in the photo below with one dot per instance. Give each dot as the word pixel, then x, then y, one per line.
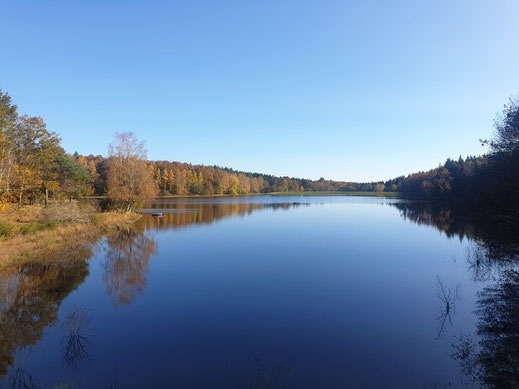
pixel 177 178
pixel 486 183
pixel 34 167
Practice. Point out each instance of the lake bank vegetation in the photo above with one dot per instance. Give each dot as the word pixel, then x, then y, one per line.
pixel 489 181
pixel 40 188
pixel 34 168
pixel 36 171
pixel 55 231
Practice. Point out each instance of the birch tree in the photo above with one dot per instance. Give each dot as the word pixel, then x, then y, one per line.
pixel 129 181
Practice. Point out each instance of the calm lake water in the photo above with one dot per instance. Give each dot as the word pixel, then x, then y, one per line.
pixel 269 292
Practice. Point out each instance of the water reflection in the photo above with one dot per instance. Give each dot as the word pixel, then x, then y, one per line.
pixel 20 379
pixel 497 239
pixel 30 299
pixel 447 298
pixel 491 357
pixel 31 296
pixel 184 214
pixel 268 376
pixel 126 264
pixel 498 329
pixel 76 340
pixel 480 266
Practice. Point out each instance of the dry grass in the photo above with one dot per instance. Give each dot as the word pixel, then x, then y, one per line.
pixel 25 214
pixel 32 235
pixel 65 213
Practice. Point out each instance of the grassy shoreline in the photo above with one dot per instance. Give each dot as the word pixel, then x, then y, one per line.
pixel 34 241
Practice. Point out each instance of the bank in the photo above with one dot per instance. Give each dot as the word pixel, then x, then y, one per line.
pixel 58 233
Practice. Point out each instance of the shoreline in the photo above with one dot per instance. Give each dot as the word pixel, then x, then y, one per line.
pixel 60 242
pixel 25 239
pixel 366 194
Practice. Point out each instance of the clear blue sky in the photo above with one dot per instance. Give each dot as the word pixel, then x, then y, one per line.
pixel 350 90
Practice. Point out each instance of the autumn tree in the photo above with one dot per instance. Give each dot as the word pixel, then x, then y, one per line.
pixel 244 185
pixel 379 187
pixel 235 185
pixel 8 117
pixel 90 167
pixel 48 151
pixel 35 151
pixel 129 181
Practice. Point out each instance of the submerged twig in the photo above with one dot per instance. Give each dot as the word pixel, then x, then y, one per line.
pixel 75 341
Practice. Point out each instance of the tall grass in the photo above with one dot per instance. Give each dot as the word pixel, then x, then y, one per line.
pixel 9 229
pixel 5 229
pixel 35 232
pixel 32 228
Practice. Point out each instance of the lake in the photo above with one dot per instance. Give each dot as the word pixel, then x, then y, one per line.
pixel 270 292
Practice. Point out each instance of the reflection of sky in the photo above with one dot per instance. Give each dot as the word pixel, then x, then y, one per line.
pixel 335 291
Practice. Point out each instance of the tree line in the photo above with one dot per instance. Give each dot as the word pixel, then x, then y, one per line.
pixel 34 167
pixel 488 182
pixel 33 164
pixel 177 178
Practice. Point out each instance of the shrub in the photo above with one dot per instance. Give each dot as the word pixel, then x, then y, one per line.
pixel 5 229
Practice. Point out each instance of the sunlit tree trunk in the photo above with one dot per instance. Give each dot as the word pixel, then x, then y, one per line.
pixel 9 166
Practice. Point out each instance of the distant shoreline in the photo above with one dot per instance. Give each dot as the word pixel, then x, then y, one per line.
pixel 366 194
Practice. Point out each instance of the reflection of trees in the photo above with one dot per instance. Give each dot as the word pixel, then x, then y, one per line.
pixel 178 215
pixel 498 328
pixel 75 341
pixel 447 298
pixel 499 240
pixel 480 266
pixel 126 264
pixel 268 377
pixel 431 214
pixel 491 357
pixel 494 360
pixel 20 379
pixel 30 297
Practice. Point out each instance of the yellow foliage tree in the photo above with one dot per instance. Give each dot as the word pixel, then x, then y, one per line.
pixel 129 180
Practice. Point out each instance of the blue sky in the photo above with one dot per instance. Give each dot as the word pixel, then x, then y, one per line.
pixel 349 90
